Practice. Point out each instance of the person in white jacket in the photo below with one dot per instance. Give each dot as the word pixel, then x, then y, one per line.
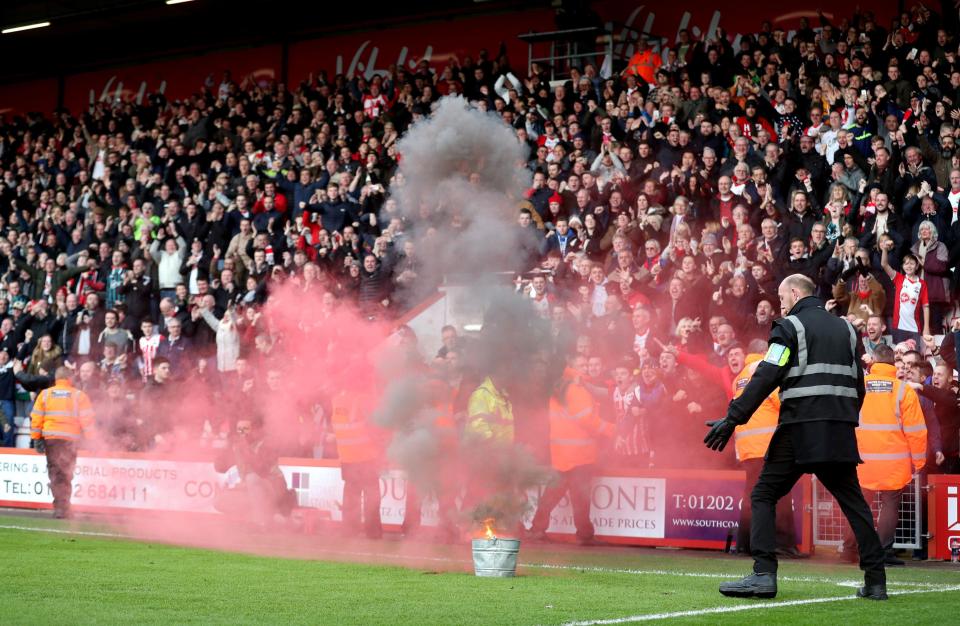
pixel 502 87
pixel 228 337
pixel 169 261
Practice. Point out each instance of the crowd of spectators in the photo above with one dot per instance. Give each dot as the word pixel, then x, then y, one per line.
pixel 140 242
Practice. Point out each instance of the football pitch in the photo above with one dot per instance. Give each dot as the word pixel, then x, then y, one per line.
pixel 84 573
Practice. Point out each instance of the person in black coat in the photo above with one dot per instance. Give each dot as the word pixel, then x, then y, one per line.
pixel 138 291
pixel 813 359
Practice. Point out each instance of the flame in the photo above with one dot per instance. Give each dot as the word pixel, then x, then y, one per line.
pixel 488 528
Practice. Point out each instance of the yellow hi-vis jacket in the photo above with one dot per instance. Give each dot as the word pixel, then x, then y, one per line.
pixel 61 412
pixel 892 436
pixel 489 414
pixel 752 439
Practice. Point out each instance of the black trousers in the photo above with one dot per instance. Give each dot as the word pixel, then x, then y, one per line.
pixel 577 482
pixel 61 461
pixel 361 482
pixel 780 473
pixel 786 534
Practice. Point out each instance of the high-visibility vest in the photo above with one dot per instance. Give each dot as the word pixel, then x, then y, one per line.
pixel 490 414
pixel 443 423
pixel 575 426
pixel 61 412
pixel 645 65
pixel 752 439
pixel 892 436
pixel 355 440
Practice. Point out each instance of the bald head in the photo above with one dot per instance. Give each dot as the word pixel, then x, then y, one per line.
pixel 62 373
pixel 793 289
pixel 801 283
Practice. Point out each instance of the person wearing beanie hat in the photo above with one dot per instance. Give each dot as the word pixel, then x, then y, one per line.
pixel 751 122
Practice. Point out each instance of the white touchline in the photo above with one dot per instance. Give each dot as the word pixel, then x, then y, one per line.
pixel 63 531
pixel 793 579
pixel 758 606
pixel 442 559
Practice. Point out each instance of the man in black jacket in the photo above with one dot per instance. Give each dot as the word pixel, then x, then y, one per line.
pixel 138 290
pixel 813 360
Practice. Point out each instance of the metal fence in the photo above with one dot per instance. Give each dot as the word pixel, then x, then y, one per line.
pixel 829 523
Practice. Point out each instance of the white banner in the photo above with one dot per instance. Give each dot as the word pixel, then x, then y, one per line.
pixel 621 506
pixel 115 482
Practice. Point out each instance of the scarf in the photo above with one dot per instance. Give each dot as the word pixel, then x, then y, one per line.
pixel 880 225
pixel 922 250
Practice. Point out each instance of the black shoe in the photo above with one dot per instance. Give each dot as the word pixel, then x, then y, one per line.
pixel 893 561
pixel 753 586
pixel 873 592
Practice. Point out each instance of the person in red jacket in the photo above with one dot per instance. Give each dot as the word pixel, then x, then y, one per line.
pixel 751 122
pixel 724 375
pixel 270 191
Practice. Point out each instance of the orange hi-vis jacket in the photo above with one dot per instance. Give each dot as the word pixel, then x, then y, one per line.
pixel 61 412
pixel 752 439
pixel 575 426
pixel 444 423
pixel 892 436
pixel 356 441
pixel 645 65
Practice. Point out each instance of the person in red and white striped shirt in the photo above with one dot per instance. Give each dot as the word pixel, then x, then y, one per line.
pixel 911 305
pixel 148 345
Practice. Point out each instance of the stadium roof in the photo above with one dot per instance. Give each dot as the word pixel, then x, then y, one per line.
pixel 90 34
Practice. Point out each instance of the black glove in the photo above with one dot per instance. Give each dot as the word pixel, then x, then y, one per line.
pixel 40 446
pixel 720 433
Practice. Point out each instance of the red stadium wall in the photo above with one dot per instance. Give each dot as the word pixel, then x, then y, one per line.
pixel 176 78
pixel 438 42
pixel 37 95
pixel 374 50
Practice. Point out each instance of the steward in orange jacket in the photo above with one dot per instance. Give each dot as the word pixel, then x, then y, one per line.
pixel 644 63
pixel 575 427
pixel 61 417
pixel 892 439
pixel 751 441
pixel 438 402
pixel 359 450
pixel 892 436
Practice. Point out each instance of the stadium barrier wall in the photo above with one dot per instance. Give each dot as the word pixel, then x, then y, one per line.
pixel 677 508
pixel 943 514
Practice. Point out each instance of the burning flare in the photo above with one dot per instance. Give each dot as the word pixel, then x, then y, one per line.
pixel 488 528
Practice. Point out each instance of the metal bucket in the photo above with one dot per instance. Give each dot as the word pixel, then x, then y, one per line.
pixel 495 557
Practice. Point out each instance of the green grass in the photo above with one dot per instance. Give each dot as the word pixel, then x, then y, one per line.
pixel 79 579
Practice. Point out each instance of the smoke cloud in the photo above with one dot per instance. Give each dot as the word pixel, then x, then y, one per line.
pixel 460 182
